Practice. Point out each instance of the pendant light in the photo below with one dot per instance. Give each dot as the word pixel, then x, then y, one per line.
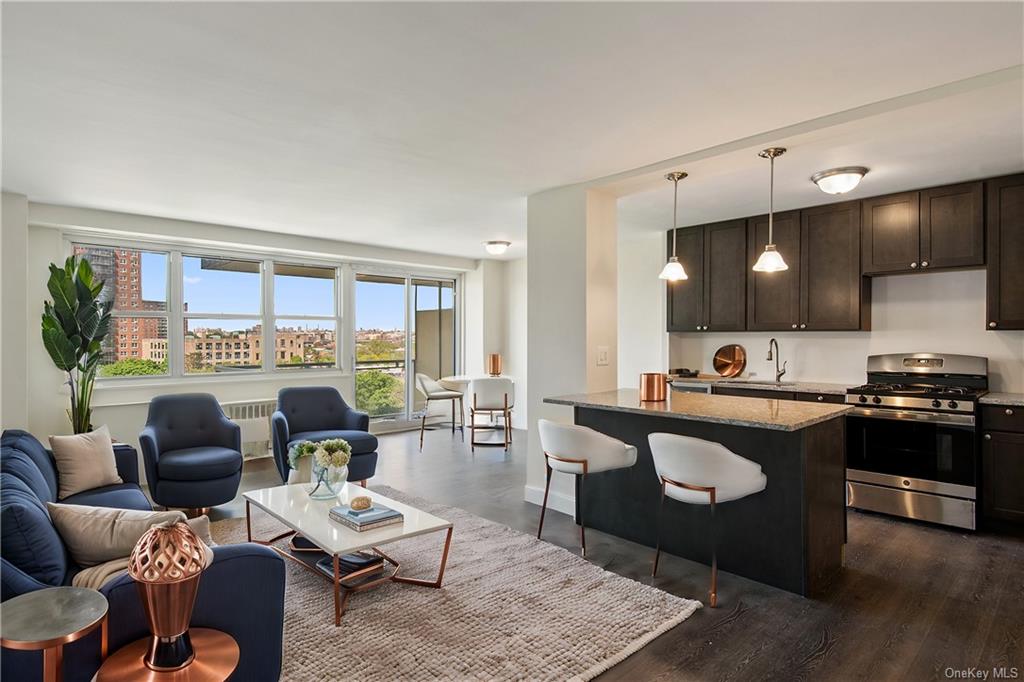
pixel 673 270
pixel 771 260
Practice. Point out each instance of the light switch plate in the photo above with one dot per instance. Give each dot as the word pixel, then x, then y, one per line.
pixel 602 356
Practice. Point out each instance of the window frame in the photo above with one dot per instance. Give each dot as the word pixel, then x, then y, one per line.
pixel 128 314
pixel 176 316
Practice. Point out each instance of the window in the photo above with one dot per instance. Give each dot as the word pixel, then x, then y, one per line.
pixel 221 305
pixel 139 320
pixel 305 310
pixel 182 314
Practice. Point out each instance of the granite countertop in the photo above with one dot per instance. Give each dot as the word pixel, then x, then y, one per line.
pixel 1015 399
pixel 761 413
pixel 768 385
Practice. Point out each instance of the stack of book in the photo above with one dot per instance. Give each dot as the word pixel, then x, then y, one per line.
pixel 376 516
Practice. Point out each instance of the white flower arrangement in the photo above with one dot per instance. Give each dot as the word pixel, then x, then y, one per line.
pixel 335 452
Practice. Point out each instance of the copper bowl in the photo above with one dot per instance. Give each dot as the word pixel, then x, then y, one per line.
pixel 731 360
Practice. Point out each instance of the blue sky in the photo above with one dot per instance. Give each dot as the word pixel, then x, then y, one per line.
pixel 378 305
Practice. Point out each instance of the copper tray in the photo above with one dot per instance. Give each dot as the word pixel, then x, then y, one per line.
pixel 730 360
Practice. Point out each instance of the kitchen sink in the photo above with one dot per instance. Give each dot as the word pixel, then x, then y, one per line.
pixel 757 382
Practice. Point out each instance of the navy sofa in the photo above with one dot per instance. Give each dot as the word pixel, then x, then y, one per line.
pixel 316 413
pixel 192 452
pixel 32 557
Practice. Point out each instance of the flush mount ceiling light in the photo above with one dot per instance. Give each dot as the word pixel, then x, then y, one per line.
pixel 496 248
pixel 839 180
pixel 771 260
pixel 673 270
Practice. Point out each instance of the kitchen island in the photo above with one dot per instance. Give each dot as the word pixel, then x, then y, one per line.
pixel 790 535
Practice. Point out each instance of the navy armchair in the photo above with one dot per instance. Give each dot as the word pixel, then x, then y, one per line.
pixel 316 413
pixel 192 452
pixel 33 557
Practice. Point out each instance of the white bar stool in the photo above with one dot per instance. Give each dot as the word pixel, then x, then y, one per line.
pixel 579 451
pixel 432 390
pixel 697 471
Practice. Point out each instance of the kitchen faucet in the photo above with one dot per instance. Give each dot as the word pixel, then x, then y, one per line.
pixel 778 372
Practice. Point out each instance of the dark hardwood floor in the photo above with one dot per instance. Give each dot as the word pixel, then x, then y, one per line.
pixel 916 602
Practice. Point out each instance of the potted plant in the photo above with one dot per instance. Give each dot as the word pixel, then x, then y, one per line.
pixel 74 326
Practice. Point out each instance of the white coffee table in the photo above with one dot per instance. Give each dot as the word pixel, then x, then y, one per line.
pixel 292 506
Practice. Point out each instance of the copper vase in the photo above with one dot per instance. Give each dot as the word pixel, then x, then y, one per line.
pixel 653 387
pixel 494 364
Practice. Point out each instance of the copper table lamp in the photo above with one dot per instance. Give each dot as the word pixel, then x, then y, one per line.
pixel 494 364
pixel 166 564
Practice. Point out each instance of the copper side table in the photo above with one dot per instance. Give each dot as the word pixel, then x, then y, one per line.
pixel 48 619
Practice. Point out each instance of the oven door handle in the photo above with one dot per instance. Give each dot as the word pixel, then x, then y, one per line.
pixel 907 415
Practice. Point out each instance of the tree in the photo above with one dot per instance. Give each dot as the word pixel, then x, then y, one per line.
pixel 379 393
pixel 133 367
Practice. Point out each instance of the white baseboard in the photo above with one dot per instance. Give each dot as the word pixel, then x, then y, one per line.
pixel 557 501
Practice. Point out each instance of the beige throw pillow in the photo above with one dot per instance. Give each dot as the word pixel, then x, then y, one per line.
pixel 84 462
pixel 95 535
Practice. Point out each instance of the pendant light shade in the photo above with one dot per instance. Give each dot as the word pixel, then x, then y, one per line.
pixel 674 270
pixel 771 260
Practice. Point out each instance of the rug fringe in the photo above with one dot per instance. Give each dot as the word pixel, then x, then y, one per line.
pixel 637 644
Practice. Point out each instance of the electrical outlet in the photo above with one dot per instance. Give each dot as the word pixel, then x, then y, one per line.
pixel 602 356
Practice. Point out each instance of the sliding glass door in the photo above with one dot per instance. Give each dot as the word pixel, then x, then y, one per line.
pixel 403 325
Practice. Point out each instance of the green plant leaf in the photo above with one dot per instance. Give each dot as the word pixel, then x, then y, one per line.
pixel 85 273
pixel 63 351
pixel 89 312
pixel 62 289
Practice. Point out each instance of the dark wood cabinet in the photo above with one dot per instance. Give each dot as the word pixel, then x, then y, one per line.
pixel 714 297
pixel 941 227
pixel 686 298
pixel 891 233
pixel 1005 235
pixel 725 276
pixel 833 294
pixel 1002 462
pixel 953 226
pixel 773 298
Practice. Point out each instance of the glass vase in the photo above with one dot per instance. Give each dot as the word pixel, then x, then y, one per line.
pixel 326 482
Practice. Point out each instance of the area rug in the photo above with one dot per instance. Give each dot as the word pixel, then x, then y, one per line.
pixel 511 608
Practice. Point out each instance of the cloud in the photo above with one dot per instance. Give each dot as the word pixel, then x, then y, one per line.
pixel 192 280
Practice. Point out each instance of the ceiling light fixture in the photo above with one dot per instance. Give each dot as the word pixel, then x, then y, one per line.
pixel 771 260
pixel 496 248
pixel 673 270
pixel 839 180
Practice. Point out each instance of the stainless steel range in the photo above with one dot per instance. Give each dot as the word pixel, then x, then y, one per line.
pixel 912 449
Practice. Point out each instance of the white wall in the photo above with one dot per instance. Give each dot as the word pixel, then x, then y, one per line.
pixel 484 312
pixel 643 343
pixel 570 243
pixel 935 312
pixel 515 355
pixel 14 319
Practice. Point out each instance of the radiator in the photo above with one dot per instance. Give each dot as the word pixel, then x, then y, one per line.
pixel 253 416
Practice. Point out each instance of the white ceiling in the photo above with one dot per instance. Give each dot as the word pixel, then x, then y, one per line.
pixel 975 134
pixel 426 125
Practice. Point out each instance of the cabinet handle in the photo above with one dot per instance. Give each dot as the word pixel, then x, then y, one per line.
pixel 992 325
pixel 988 436
pixel 698 327
pixel 924 264
pixel 914 264
pixel 794 325
pixel 705 327
pixel 803 326
pixel 821 398
pixel 1009 412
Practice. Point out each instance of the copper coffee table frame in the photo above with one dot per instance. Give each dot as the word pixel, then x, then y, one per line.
pixel 342 591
